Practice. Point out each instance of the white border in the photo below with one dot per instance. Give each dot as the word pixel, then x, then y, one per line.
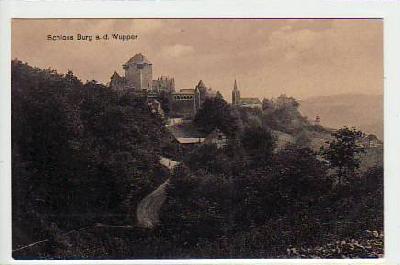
pixel 389 10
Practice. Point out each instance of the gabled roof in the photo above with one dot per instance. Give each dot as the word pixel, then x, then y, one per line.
pixel 371 137
pixel 250 101
pixel 201 84
pixel 138 59
pixel 115 75
pixel 185 130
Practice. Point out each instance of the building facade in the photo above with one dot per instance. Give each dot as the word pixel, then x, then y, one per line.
pixel 139 73
pixel 183 103
pixel 164 84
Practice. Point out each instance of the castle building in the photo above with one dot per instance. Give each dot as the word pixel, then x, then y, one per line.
pixel 139 78
pixel 182 103
pixel 139 73
pixel 117 82
pixel 186 102
pixel 244 102
pixel 164 84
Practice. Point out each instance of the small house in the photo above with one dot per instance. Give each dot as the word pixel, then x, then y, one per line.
pixel 217 137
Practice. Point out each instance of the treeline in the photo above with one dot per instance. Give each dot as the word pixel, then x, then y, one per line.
pixel 84 154
pixel 81 153
pixel 250 199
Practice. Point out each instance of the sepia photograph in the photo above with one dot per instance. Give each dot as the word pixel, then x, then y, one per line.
pixel 235 138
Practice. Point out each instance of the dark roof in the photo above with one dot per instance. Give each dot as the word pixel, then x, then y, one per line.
pixel 201 84
pixel 115 75
pixel 211 93
pixel 138 59
pixel 250 101
pixel 372 137
pixel 185 130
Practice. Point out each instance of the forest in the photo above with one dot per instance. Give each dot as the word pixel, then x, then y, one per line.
pixel 84 156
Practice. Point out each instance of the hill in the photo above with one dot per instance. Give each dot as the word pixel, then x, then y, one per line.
pixel 365 112
pixel 81 153
pixel 86 167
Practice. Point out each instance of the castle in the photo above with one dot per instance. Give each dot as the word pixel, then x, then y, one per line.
pixel 139 79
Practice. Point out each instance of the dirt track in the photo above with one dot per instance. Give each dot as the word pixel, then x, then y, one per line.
pixel 147 213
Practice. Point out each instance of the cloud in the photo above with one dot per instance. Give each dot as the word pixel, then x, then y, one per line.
pixel 177 50
pixel 306 57
pixel 290 44
pixel 147 25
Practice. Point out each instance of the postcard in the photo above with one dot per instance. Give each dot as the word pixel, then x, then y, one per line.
pixel 197 138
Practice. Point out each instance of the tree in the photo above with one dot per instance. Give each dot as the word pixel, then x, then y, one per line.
pixel 300 174
pixel 78 148
pixel 216 113
pixel 198 206
pixel 259 144
pixel 343 152
pixel 209 158
pixel 165 101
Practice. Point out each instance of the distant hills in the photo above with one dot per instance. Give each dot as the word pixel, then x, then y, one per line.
pixel 364 112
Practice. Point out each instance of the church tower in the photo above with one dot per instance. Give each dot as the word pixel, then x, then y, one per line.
pixel 235 95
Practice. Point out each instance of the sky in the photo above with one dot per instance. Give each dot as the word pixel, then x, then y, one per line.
pixel 302 58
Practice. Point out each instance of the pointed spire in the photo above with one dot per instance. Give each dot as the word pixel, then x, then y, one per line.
pixel 115 75
pixel 235 86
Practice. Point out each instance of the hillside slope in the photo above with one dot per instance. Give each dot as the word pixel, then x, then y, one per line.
pixel 362 111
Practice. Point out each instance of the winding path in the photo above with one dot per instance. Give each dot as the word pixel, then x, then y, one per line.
pixel 147 212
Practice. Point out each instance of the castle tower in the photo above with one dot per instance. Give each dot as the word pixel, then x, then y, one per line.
pixel 139 73
pixel 200 91
pixel 235 95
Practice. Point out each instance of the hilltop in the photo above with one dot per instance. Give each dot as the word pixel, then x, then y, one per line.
pixel 92 178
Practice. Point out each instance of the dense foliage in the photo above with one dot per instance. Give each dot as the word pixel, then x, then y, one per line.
pixel 216 113
pixel 270 210
pixel 84 154
pixel 343 152
pixel 81 153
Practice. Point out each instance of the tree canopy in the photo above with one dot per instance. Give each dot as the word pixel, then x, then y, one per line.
pixel 216 113
pixel 343 152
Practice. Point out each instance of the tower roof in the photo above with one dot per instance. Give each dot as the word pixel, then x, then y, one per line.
pixel 201 84
pixel 235 86
pixel 115 75
pixel 138 59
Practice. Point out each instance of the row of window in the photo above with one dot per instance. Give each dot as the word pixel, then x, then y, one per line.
pixel 183 97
